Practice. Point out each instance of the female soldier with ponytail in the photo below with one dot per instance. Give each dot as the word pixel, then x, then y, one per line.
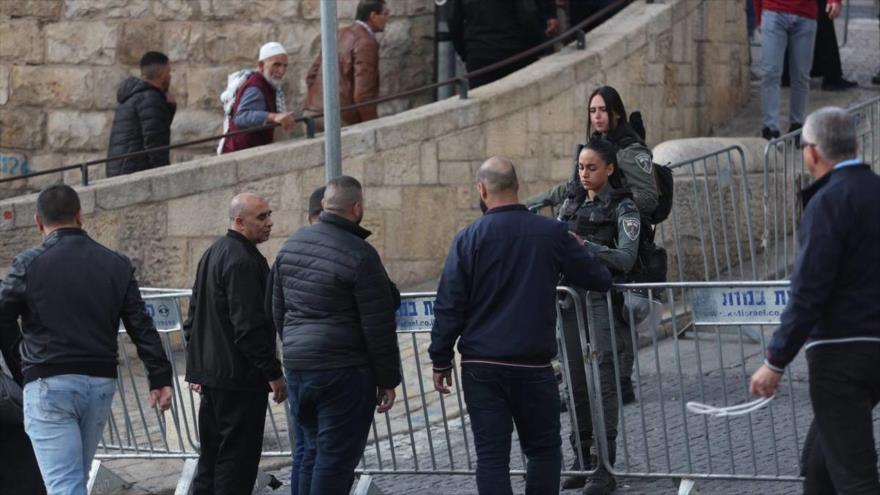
pixel 605 217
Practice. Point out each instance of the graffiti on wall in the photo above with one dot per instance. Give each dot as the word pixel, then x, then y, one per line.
pixel 13 164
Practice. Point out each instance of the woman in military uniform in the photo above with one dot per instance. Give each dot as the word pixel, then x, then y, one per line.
pixel 606 219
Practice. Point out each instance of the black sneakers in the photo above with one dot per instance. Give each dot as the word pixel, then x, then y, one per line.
pixel 600 483
pixel 838 84
pixel 768 133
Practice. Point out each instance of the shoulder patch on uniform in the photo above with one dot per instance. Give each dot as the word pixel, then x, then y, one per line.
pixel 631 227
pixel 645 162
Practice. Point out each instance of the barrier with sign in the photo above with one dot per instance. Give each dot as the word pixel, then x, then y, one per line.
pixel 729 325
pixel 427 433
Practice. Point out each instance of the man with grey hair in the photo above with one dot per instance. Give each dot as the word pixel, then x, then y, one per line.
pixel 334 305
pixel 231 356
pixel 497 298
pixel 833 309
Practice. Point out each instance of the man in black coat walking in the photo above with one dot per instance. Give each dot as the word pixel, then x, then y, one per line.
pixel 335 304
pixel 143 117
pixel 231 354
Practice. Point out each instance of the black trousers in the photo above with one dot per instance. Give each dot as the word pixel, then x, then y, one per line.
pixel 19 472
pixel 231 432
pixel 840 455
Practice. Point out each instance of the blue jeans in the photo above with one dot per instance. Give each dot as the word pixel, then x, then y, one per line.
pixel 64 416
pixel 299 445
pixel 798 34
pixel 498 397
pixel 335 409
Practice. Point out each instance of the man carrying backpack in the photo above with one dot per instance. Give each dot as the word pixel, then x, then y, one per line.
pixel 254 99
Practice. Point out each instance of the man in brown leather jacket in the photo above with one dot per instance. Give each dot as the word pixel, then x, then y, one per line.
pixel 358 66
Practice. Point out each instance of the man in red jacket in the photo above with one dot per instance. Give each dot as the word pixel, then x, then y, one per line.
pixel 790 23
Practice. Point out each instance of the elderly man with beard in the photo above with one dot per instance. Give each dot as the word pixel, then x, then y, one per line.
pixel 259 101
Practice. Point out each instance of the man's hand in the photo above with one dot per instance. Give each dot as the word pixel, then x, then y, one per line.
pixel 764 382
pixel 439 378
pixel 196 387
pixel 161 398
pixel 384 399
pixel 285 120
pixel 833 9
pixel 578 238
pixel 279 390
pixel 552 27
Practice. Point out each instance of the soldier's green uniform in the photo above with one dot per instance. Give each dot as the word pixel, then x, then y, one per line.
pixel 610 224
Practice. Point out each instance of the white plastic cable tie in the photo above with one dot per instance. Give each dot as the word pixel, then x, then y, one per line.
pixel 737 410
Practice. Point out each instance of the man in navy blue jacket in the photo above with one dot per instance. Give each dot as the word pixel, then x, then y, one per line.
pixel 834 309
pixel 497 297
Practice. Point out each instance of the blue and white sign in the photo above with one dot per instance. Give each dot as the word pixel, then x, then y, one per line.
pixel 165 314
pixel 415 313
pixel 739 305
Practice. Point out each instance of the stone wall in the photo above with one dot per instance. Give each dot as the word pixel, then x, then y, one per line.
pixel 61 62
pixel 683 63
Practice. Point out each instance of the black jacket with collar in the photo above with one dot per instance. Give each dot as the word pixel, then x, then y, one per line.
pixel 71 293
pixel 333 302
pixel 835 283
pixel 231 342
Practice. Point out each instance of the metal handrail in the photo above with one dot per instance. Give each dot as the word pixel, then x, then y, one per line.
pixel 461 82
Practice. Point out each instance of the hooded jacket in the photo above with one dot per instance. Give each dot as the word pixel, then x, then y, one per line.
pixel 142 121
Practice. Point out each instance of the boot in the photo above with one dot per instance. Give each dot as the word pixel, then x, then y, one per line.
pixel 600 483
pixel 572 482
pixel 627 392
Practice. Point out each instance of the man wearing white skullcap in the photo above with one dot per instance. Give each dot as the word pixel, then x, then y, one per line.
pixel 258 101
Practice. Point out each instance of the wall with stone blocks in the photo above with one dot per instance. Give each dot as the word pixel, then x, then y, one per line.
pixel 418 166
pixel 61 62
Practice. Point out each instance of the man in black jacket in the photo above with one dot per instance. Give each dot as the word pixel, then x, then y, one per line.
pixel 834 310
pixel 497 297
pixel 335 305
pixel 143 117
pixel 71 293
pixel 488 31
pixel 231 353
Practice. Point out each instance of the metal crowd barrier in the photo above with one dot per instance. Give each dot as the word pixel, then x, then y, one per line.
pixel 709 233
pixel 658 437
pixel 427 433
pixel 785 175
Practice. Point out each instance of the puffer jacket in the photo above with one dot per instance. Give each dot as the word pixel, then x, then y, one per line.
pixel 358 75
pixel 142 121
pixel 333 303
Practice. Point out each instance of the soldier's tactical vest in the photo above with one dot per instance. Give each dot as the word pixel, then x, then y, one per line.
pixel 597 223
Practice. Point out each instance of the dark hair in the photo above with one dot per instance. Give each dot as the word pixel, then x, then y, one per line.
pixel 342 193
pixel 367 7
pixel 315 207
pixel 607 151
pixel 614 105
pixel 151 62
pixel 58 204
pixel 605 148
pixel 154 58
